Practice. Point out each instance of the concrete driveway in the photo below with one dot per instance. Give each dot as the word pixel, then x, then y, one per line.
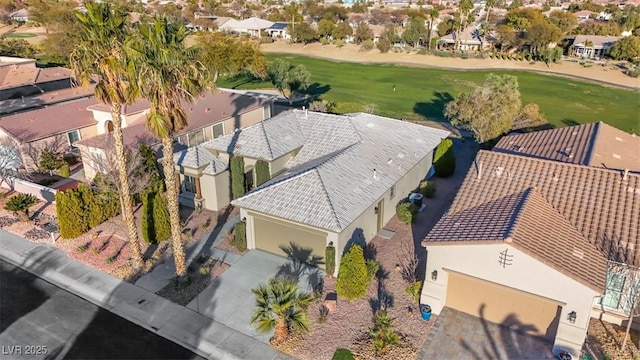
pixel 456 335
pixel 229 300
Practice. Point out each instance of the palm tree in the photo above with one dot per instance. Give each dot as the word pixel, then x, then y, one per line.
pixel 101 51
pixel 433 15
pixel 279 307
pixel 169 75
pixel 464 10
pixel 483 31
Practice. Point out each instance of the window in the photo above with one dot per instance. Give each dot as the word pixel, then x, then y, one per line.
pixel 613 290
pixel 217 130
pixel 189 184
pixel 195 138
pixel 73 136
pixel 392 192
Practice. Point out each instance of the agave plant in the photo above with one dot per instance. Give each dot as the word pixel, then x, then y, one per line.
pixel 20 204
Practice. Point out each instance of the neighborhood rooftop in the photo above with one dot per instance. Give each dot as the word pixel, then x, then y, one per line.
pixel 595 144
pixel 602 205
pixel 345 164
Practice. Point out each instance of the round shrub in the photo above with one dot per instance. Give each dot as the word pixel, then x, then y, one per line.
pixel 407 212
pixel 352 278
pixel 65 171
pixel 367 45
pixel 428 189
pixel 384 45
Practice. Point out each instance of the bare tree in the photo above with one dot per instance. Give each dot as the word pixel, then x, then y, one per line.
pixel 630 289
pixel 408 262
pixel 10 162
pixel 104 162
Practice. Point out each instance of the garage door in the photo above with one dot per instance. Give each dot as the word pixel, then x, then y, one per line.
pixel 271 234
pixel 503 305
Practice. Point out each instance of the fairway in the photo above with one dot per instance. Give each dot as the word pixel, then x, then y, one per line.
pixel 422 92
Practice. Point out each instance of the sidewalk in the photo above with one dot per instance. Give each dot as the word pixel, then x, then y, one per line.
pixel 179 324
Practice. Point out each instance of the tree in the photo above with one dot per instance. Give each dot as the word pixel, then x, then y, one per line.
pixel 16 47
pixel 342 31
pixel 529 117
pixel 605 28
pixel 262 172
pixel 50 160
pixel 464 12
pixel 230 55
pixel 629 296
pixel 170 75
pixel 566 21
pixel 280 306
pixel 72 216
pixel 352 278
pixel 101 50
pixel 382 332
pixel 433 15
pixel 415 31
pixel 288 78
pixel 506 36
pixel 489 110
pixel 21 204
pixel 363 32
pixel 304 33
pixel 236 171
pixel 10 162
pixel 488 5
pixel 540 35
pixel 627 48
pixel 384 45
pixel 549 55
pixel 325 27
pixel 483 31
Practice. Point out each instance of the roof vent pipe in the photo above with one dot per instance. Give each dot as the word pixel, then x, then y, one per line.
pixel 625 175
pixel 479 170
pixel 374 174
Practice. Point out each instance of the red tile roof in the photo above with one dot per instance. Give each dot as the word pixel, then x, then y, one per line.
pixel 596 144
pixel 48 121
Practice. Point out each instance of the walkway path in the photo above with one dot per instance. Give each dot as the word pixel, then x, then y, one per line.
pixel 179 324
pixel 352 53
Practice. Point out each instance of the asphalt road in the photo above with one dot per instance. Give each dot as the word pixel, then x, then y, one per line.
pixel 38 320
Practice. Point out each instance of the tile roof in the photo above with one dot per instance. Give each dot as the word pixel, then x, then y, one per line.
pixel 28 103
pixel 48 121
pixel 597 41
pixel 197 157
pixel 595 144
pixel 603 205
pixel 336 164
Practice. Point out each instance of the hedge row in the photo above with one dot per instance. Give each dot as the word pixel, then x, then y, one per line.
pixel 85 208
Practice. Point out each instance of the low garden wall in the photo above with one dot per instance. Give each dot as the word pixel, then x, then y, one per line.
pixel 26 187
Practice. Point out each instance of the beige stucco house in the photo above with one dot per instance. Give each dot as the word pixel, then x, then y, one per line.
pixel 529 238
pixel 335 178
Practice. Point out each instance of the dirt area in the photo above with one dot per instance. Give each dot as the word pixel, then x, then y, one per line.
pixel 348 326
pixel 201 274
pixel 40 32
pixel 352 53
pixel 604 340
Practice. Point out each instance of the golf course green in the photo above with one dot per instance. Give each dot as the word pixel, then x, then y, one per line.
pixel 420 93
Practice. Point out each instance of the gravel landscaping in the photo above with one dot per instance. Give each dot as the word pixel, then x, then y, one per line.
pixel 604 340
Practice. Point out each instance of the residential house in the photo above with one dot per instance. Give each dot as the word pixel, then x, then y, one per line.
pixel 252 26
pixel 592 46
pixel 211 116
pixel 20 16
pixel 335 179
pixel 527 240
pixel 279 30
pixel 469 40
pixel 583 15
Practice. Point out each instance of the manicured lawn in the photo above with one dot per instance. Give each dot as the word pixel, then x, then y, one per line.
pixel 20 35
pixel 422 92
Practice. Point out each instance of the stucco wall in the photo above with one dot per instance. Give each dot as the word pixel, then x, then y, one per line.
pixel 247 119
pixel 278 165
pixel 525 274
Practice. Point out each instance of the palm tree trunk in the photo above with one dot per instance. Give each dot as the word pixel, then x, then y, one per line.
pixel 429 34
pixel 281 331
pixel 174 211
pixel 125 189
pixel 487 17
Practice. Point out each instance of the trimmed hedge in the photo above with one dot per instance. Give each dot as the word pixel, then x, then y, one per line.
pixel 352 278
pixel 262 172
pixel 330 260
pixel 240 236
pixel 444 159
pixel 407 212
pixel 85 208
pixel 156 225
pixel 236 166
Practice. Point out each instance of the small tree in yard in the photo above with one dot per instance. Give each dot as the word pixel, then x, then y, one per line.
pixel 161 220
pixel 240 236
pixel 630 294
pixel 382 332
pixel 352 278
pixel 50 161
pixel 280 306
pixel 288 78
pixel 262 172
pixel 10 162
pixel 236 171
pixel 21 204
pixel 330 259
pixel 444 159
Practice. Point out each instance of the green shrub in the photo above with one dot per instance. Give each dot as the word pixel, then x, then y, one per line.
pixel 339 43
pixel 406 212
pixel 372 269
pixel 413 290
pixel 236 166
pixel 65 171
pixel 428 189
pixel 50 160
pixel 147 218
pixel 161 220
pixel 343 354
pixel 72 216
pixel 352 278
pixel 330 260
pixel 384 45
pixel 21 204
pixel 382 332
pixel 367 45
pixel 240 236
pixel 444 159
pixel 324 41
pixel 262 172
